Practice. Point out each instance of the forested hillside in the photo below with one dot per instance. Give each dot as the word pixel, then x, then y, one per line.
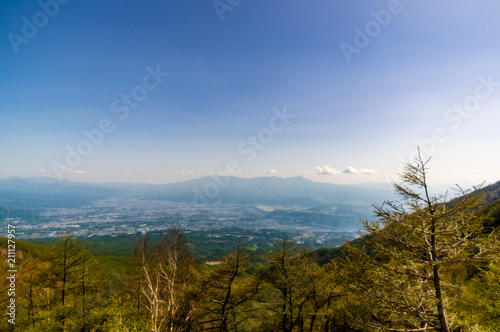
pixel 423 264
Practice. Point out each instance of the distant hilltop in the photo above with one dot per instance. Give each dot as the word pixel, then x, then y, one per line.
pixel 47 192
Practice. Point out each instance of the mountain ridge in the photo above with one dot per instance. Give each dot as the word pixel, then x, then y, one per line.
pixel 35 192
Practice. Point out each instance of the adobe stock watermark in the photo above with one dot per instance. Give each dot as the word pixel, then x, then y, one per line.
pixel 121 107
pixel 248 148
pixel 223 6
pixel 372 29
pixel 12 273
pixel 30 27
pixel 453 118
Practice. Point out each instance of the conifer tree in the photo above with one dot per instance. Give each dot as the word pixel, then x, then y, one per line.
pixel 227 289
pixel 414 245
pixel 67 258
pixel 294 275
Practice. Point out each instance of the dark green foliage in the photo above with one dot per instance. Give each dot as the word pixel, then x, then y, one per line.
pixel 492 211
pixel 27 247
pixel 326 255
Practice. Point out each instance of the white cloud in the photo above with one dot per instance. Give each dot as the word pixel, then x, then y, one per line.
pixel 306 172
pixel 272 171
pixel 368 171
pixel 352 170
pixel 77 171
pixel 327 170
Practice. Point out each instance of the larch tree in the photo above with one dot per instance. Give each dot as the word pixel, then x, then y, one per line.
pixel 67 258
pixel 295 278
pixel 228 288
pixel 413 247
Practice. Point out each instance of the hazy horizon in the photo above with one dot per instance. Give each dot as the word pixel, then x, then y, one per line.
pixel 437 187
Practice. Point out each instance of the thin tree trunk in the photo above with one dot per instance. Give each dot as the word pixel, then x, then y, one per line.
pixel 311 325
pixel 440 306
pixel 31 308
pixel 437 281
pixel 84 314
pixel 63 292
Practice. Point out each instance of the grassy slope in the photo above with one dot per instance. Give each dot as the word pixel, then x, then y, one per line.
pixel 27 247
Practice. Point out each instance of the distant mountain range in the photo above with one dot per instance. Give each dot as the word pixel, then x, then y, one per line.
pixel 42 193
pixel 296 191
pixel 50 192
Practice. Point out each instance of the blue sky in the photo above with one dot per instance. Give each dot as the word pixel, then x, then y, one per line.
pixel 363 83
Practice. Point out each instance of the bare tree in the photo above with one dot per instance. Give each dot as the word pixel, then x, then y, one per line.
pixel 167 269
pixel 176 273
